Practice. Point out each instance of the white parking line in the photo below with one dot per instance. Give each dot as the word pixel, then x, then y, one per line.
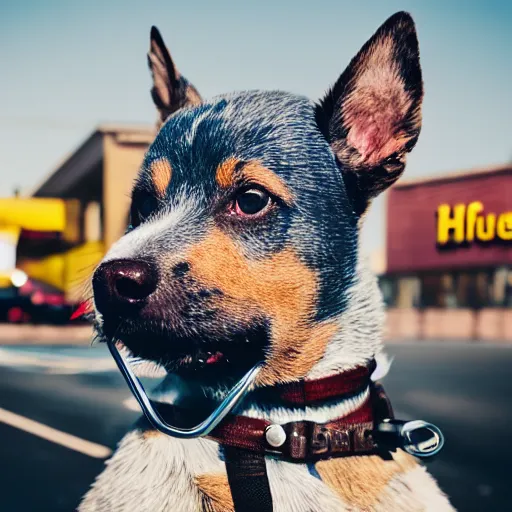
pixel 55 363
pixel 55 436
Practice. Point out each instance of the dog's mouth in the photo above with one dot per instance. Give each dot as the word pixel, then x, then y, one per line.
pixel 207 357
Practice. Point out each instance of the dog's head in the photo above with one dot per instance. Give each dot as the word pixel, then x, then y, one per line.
pixel 243 241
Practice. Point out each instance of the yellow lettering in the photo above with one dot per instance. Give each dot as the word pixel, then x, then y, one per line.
pixel 445 222
pixel 472 212
pixel 470 223
pixel 483 234
pixel 504 227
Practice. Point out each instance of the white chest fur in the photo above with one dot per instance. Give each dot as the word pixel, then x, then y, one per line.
pixel 155 473
pixel 152 472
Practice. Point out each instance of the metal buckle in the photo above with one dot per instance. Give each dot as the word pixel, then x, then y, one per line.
pixel 416 437
pixel 206 426
pixel 421 439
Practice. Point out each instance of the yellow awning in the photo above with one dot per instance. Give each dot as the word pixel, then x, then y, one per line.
pixel 34 214
pixel 67 271
pixel 5 280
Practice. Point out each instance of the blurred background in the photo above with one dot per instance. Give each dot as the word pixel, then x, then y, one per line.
pixel 75 120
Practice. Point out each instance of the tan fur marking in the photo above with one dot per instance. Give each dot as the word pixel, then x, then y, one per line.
pixel 193 97
pixel 161 173
pixel 360 480
pixel 225 174
pixel 151 433
pixel 216 491
pixel 280 288
pixel 252 172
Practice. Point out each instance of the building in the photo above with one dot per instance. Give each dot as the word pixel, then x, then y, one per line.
pixel 100 174
pixel 95 183
pixel 446 271
pixel 449 247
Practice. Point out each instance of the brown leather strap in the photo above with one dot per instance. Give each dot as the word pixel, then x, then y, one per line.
pixel 307 392
pixel 381 404
pixel 305 440
pixel 242 432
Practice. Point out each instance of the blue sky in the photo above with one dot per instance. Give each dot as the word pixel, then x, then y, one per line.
pixel 68 66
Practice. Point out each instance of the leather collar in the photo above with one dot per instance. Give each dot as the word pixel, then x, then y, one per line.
pixel 300 441
pixel 306 440
pixel 372 428
pixel 339 386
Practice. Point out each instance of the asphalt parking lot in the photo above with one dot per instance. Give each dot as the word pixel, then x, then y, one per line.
pixel 463 388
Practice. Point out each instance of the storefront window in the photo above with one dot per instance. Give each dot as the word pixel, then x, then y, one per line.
pixel 499 288
pixel 448 296
pixel 478 290
pixel 431 292
pixel 457 290
pixel 408 292
pixel 508 290
pixel 472 289
pixel 388 289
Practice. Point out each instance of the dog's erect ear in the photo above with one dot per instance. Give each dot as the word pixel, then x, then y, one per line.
pixel 372 115
pixel 170 91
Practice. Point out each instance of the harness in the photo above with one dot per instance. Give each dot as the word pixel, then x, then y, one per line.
pixel 369 429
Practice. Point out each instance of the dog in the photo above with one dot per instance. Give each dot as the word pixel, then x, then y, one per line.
pixel 243 247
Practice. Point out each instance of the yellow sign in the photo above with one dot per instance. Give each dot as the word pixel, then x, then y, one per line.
pixel 67 270
pixel 468 223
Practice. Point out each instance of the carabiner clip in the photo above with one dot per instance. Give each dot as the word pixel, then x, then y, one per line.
pixel 416 437
pixel 205 427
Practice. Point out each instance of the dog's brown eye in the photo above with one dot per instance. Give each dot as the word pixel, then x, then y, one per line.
pixel 252 202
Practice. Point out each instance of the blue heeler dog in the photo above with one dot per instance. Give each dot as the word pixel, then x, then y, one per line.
pixel 243 248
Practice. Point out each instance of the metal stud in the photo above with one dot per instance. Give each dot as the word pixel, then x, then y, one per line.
pixel 275 435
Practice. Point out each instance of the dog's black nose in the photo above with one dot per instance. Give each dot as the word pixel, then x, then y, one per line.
pixel 120 284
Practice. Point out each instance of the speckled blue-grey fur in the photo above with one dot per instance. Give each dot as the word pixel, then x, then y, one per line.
pixel 280 131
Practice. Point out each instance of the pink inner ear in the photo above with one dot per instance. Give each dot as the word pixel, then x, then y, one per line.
pixel 374 116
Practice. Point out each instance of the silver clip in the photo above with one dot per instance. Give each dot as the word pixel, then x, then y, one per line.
pixel 421 439
pixel 205 427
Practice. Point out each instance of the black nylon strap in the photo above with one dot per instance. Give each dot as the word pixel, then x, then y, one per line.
pixel 248 480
